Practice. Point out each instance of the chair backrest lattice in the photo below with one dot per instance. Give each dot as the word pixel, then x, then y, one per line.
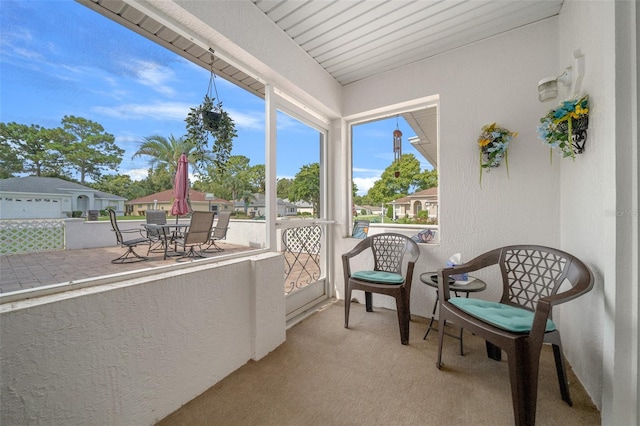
pixel 530 274
pixel 388 252
pixel 199 228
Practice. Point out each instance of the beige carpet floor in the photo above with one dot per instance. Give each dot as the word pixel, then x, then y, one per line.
pixel 325 374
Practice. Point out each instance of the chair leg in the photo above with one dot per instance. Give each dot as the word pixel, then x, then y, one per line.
pixel 523 375
pixel 404 316
pixel 212 247
pixel 493 351
pixel 155 247
pixel 440 341
pixel 368 298
pixel 347 305
pixel 190 254
pixel 129 256
pixel 563 382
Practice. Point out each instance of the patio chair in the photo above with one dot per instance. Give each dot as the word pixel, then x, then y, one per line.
pixel 156 236
pixel 521 321
pixel 130 256
pixel 219 233
pixel 197 234
pixel 390 253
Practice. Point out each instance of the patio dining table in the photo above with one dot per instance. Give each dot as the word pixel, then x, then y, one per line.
pixel 168 233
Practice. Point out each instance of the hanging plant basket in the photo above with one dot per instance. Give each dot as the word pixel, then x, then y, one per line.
pixel 579 128
pixel 211 120
pixel 565 128
pixel 210 123
pixel 493 143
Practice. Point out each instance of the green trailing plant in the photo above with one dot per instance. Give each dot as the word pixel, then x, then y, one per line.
pixel 204 128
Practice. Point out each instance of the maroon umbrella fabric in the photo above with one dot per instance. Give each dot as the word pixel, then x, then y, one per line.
pixel 181 188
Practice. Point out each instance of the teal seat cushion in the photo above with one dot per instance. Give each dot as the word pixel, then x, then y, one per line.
pixel 378 277
pixel 500 315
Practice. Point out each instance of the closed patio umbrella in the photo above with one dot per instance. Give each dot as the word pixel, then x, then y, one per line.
pixel 181 188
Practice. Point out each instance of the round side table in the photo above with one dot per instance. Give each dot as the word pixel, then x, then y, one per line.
pixel 472 287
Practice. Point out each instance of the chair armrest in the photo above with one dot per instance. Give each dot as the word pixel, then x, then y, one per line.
pixel 359 248
pixel 346 257
pixel 131 231
pixel 581 278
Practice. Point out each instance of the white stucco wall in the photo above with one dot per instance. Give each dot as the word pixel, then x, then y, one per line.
pixel 490 81
pixel 132 352
pixel 598 222
pixel 583 213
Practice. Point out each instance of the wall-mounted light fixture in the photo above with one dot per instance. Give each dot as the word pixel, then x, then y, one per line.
pixel 548 87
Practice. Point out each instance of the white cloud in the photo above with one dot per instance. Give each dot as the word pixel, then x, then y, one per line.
pixel 364 184
pixel 137 174
pixel 175 111
pixel 156 111
pixel 366 178
pixel 249 120
pixel 153 75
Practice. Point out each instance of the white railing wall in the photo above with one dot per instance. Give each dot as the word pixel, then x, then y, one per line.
pixel 81 234
pixel 31 235
pixel 131 351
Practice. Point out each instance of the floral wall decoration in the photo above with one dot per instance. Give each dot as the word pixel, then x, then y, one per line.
pixel 494 144
pixel 570 118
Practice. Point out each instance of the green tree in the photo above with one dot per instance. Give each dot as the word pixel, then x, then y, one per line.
pixel 156 181
pixel 164 153
pixel 389 187
pixel 237 178
pixel 121 185
pixel 10 163
pixel 306 186
pixel 88 148
pixel 283 185
pixel 31 149
pixel 427 179
pixel 256 178
pixel 246 196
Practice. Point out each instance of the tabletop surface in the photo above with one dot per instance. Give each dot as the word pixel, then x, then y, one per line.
pixel 476 285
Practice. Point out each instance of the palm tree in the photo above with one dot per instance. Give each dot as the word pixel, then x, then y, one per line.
pixel 165 152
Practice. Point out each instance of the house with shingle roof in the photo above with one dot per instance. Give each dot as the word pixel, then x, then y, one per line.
pixel 413 204
pixel 200 201
pixel 257 206
pixel 35 197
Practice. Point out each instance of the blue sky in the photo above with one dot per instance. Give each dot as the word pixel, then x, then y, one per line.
pixel 60 58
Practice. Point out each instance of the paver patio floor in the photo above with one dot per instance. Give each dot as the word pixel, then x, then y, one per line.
pixel 25 271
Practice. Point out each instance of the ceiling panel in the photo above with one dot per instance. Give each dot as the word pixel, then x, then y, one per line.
pixel 352 39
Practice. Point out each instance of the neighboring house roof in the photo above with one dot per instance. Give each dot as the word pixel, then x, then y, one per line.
pixel 300 204
pixel 50 185
pixel 167 197
pixel 431 193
